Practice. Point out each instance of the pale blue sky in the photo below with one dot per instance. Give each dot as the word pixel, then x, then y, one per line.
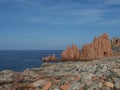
pixel 53 24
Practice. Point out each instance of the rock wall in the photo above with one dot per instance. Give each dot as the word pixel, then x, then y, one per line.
pixel 98 49
pixel 71 53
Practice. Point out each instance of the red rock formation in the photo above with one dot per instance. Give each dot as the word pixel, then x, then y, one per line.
pixel 98 49
pixel 49 58
pixel 71 53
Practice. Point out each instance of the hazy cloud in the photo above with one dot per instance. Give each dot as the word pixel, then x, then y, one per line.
pixel 72 11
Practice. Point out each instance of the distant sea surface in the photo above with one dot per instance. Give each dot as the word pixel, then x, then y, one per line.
pixel 19 60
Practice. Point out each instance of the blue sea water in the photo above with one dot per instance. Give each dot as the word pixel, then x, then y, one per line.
pixel 19 60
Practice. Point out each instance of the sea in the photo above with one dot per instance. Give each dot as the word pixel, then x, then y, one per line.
pixel 19 60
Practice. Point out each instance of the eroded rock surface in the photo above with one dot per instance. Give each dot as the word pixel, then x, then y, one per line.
pixel 98 49
pixel 71 53
pixel 101 47
pixel 49 58
pixel 90 75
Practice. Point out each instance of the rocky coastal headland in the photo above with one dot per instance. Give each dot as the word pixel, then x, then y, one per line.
pixel 100 48
pixel 94 67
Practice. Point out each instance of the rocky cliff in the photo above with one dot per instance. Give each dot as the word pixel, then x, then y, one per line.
pixel 103 73
pixel 71 53
pixel 101 47
pixel 98 49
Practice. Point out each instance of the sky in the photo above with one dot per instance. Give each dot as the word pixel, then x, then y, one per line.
pixel 55 24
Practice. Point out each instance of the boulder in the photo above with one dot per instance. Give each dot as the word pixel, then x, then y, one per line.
pixel 115 42
pixel 109 84
pixel 49 58
pixel 48 85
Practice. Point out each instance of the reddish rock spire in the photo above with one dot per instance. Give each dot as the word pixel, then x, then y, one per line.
pixel 71 53
pixel 98 49
pixel 49 58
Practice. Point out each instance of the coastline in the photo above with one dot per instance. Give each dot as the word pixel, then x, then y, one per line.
pixel 81 75
pixel 20 60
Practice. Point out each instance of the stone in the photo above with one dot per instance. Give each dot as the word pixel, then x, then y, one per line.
pixel 100 85
pixel 86 75
pixel 103 67
pixel 47 86
pixel 65 86
pixel 116 72
pixel 115 42
pixel 6 77
pixel 109 84
pixel 105 88
pixel 117 82
pixel 76 86
pixel 87 68
pixel 49 58
pixel 98 49
pixel 29 72
pixel 39 83
pixel 71 53
pixel 94 78
pixel 90 75
pixel 116 50
pixel 103 77
pixel 56 89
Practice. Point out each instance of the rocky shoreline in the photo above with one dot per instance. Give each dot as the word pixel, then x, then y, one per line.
pixel 81 75
pixel 94 67
pixel 101 47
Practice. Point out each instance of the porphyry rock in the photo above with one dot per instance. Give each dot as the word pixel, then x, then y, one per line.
pixel 90 75
pixel 49 58
pixel 98 49
pixel 71 53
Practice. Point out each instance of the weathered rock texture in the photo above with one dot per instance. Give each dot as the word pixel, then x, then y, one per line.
pixel 115 42
pixel 101 74
pixel 71 53
pixel 98 49
pixel 116 50
pixel 49 58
